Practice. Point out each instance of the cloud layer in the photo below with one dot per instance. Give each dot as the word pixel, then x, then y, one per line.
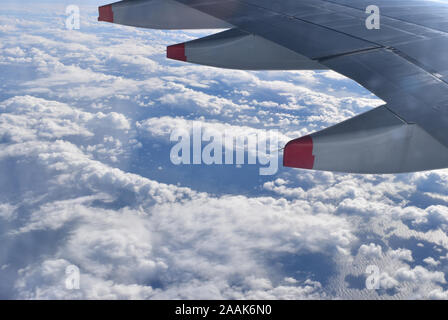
pixel 85 119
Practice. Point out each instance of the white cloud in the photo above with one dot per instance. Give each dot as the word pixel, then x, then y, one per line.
pixel 401 254
pixel 387 282
pixel 431 261
pixel 419 274
pixel 438 294
pixel 371 250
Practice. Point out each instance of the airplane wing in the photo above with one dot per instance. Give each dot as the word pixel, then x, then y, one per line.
pixel 405 63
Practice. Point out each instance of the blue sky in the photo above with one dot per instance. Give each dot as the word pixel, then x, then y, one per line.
pixel 85 118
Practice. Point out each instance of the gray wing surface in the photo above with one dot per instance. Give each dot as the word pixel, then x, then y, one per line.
pixel 405 63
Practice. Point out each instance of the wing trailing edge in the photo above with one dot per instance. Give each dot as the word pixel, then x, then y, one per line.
pixel 377 141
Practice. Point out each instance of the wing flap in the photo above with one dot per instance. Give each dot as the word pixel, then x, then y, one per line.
pixel 374 142
pixel 234 49
pixel 158 14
